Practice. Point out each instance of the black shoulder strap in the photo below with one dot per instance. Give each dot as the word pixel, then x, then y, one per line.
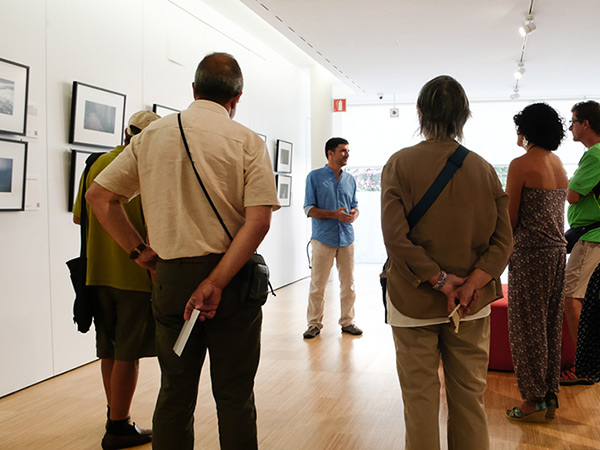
pixel 83 218
pixel 452 165
pixel 187 149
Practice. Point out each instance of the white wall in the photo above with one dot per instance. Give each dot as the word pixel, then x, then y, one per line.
pixel 147 49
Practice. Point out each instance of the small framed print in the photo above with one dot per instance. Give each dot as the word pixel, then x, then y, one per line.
pixel 284 156
pixel 263 137
pixel 14 89
pixel 13 170
pixel 97 116
pixel 162 110
pixel 78 158
pixel 284 189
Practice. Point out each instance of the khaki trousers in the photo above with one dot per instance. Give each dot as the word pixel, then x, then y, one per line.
pixel 322 261
pixel 465 359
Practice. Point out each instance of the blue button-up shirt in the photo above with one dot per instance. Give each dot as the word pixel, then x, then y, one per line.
pixel 325 192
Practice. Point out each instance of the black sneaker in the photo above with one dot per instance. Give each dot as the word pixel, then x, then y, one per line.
pixel 120 435
pixel 311 332
pixel 352 329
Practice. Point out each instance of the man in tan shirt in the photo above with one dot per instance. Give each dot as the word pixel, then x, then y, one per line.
pixel 196 263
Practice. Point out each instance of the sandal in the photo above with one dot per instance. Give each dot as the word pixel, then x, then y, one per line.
pixel 538 416
pixel 551 401
pixel 568 377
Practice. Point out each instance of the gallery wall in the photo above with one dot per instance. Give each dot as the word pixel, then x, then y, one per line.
pixel 148 50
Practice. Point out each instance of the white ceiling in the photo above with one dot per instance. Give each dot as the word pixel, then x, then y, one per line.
pixel 394 46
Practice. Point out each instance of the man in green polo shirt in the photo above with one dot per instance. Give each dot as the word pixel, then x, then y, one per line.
pixel 122 305
pixel 584 209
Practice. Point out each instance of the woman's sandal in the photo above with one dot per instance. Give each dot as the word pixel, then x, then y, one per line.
pixel 538 416
pixel 551 401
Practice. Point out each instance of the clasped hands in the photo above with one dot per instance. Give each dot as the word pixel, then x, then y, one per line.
pixel 346 217
pixel 459 290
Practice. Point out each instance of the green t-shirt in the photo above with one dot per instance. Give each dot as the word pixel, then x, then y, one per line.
pixel 108 264
pixel 587 209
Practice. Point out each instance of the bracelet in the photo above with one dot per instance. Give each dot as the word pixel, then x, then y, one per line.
pixel 136 252
pixel 441 281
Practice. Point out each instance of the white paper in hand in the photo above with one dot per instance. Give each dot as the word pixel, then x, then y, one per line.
pixel 185 332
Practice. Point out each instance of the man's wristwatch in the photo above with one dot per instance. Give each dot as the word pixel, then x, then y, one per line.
pixel 441 281
pixel 136 252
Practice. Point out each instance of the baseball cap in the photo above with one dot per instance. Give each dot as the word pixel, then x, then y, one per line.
pixel 141 120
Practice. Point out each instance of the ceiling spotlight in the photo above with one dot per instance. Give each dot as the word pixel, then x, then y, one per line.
pixel 520 71
pixel 528 26
pixel 515 95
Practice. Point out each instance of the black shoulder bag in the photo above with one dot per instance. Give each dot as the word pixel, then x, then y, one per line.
pixel 83 305
pixel 255 273
pixel 452 165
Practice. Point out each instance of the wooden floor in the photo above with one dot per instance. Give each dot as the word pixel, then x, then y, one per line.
pixel 332 392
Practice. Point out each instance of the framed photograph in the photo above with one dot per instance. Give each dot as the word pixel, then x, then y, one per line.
pixel 97 116
pixel 13 170
pixel 14 89
pixel 78 158
pixel 284 189
pixel 263 137
pixel 284 156
pixel 162 110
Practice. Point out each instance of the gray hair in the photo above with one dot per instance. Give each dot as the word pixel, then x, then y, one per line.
pixel 444 108
pixel 218 78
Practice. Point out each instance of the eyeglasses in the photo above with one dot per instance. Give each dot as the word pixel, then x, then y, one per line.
pixel 572 121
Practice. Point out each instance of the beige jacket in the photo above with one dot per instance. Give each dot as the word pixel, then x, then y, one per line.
pixel 467 227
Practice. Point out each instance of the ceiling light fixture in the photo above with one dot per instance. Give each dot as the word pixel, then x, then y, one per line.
pixel 515 95
pixel 520 71
pixel 528 26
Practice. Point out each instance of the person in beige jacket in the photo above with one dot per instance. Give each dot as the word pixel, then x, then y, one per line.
pixel 453 256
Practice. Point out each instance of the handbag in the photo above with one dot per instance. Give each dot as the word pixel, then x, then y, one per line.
pixel 572 235
pixel 83 304
pixel 255 284
pixel 452 165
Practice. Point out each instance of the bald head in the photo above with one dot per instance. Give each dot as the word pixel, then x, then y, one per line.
pixel 218 78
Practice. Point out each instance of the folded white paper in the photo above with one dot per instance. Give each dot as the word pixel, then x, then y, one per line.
pixel 185 332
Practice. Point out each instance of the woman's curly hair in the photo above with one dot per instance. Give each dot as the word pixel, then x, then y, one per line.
pixel 541 125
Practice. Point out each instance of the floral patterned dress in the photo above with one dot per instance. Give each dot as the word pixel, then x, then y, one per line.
pixel 536 281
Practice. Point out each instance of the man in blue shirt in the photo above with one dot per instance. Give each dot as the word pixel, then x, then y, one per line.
pixel 330 202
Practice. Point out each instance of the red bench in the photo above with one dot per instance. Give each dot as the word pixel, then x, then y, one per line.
pixel 500 357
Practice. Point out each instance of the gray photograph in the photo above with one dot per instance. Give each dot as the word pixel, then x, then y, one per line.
pixel 7 96
pixel 99 117
pixel 6 170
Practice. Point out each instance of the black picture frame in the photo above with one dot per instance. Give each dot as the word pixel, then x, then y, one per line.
pixel 97 116
pixel 283 162
pixel 78 158
pixel 163 110
pixel 284 189
pixel 13 173
pixel 14 92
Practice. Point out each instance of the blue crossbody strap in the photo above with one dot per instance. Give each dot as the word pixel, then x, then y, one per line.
pixel 452 165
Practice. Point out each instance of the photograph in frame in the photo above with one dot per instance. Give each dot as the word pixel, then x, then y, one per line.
pixel 263 137
pixel 13 172
pixel 78 158
pixel 284 189
pixel 97 116
pixel 162 110
pixel 284 156
pixel 14 90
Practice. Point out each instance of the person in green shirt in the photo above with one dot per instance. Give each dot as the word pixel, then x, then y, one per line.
pixel 122 304
pixel 584 209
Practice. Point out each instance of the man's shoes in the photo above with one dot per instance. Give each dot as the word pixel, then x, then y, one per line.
pixel 311 332
pixel 352 329
pixel 122 434
pixel 568 377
